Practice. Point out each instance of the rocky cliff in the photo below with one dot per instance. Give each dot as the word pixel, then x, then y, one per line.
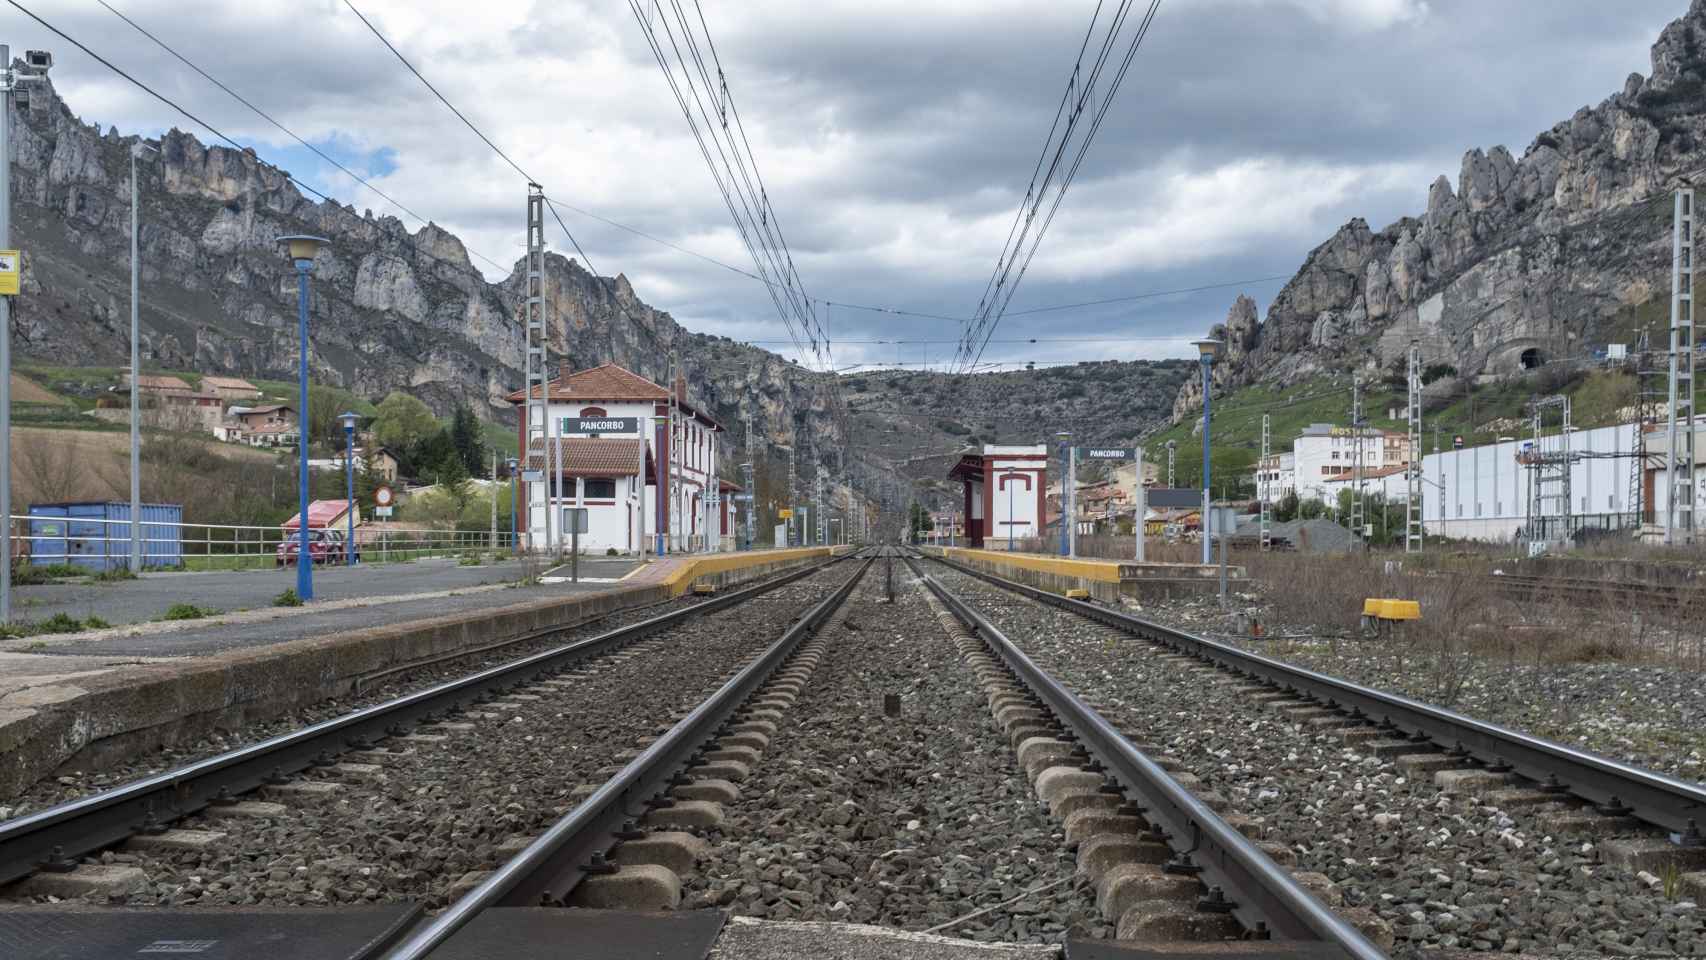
pixel 395 310
pixel 1524 260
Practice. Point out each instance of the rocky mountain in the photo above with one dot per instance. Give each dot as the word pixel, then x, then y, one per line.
pixel 1524 260
pixel 401 310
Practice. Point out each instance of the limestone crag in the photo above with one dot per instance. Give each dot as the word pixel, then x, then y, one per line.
pixel 1522 259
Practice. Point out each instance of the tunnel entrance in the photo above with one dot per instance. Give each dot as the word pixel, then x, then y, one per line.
pixel 1531 358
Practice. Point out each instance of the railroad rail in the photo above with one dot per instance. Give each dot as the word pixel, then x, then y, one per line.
pixel 548 870
pixel 56 836
pixel 1263 896
pixel 1585 591
pixel 1608 784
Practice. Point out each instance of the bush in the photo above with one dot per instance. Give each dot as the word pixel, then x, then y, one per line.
pixel 30 574
pixel 58 623
pixel 115 574
pixel 470 560
pixel 287 599
pixel 611 552
pixel 96 623
pixel 187 611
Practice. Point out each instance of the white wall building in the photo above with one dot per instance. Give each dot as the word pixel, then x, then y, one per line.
pixel 1004 491
pixel 606 462
pixel 1323 452
pixel 1276 476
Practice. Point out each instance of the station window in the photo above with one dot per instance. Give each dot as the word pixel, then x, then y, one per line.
pixel 601 488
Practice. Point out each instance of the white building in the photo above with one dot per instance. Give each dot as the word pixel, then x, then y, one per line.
pixel 1323 452
pixel 1004 493
pixel 1276 476
pixel 606 438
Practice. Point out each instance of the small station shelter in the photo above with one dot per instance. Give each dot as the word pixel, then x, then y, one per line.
pixel 1004 489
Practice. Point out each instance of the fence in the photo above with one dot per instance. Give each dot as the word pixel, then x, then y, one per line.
pixel 216 546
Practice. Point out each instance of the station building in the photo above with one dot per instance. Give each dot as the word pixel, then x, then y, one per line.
pixel 1004 493
pixel 607 452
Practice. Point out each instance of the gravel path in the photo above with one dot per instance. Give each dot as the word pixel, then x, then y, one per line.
pixel 1650 715
pixel 1445 871
pixel 906 822
pixel 422 820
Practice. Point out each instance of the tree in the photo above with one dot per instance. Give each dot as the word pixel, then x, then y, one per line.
pixel 465 437
pixel 921 522
pixel 453 482
pixel 1285 509
pixel 325 406
pixel 402 422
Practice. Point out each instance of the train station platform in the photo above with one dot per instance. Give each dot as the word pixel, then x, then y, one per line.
pixel 76 700
pixel 1107 580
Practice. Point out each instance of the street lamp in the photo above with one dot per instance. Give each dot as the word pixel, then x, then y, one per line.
pixel 1066 521
pixel 514 535
pixel 138 150
pixel 302 250
pixel 659 422
pixel 349 420
pixel 1207 349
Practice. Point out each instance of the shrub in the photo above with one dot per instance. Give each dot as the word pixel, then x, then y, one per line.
pixel 31 574
pixel 58 623
pixel 287 599
pixel 115 574
pixel 96 623
pixel 470 560
pixel 611 552
pixel 187 611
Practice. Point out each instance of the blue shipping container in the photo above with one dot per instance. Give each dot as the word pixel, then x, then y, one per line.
pixel 73 533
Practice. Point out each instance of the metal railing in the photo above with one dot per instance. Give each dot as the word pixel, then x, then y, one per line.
pixel 99 543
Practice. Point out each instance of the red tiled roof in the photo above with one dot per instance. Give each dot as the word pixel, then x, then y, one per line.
pixel 229 383
pixel 592 457
pixel 606 381
pixel 320 513
pixel 150 382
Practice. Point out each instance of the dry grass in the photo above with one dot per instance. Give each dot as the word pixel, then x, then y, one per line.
pixel 25 390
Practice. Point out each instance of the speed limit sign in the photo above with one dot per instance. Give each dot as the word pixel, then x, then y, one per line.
pixel 382 496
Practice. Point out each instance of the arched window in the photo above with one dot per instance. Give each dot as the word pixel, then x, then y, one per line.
pixel 1001 483
pixel 593 412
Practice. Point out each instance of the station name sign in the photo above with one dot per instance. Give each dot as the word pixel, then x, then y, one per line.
pixel 1107 453
pixel 601 424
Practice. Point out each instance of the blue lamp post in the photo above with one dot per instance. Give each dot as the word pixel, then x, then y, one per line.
pixel 1065 437
pixel 349 420
pixel 302 250
pixel 514 535
pixel 1206 350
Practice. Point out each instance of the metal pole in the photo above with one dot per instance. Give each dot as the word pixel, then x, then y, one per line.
pixel 1140 507
pixel 349 486
pixel 135 372
pixel 1065 485
pixel 1207 500
pixel 1009 517
pixel 6 333
pixel 515 540
pixel 304 557
pixel 659 467
pixel 1072 474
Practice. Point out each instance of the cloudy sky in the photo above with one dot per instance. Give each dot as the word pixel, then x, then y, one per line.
pixel 896 139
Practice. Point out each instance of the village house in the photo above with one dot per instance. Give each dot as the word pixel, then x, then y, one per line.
pixel 267 425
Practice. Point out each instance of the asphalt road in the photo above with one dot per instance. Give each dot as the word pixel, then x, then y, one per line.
pixel 148 597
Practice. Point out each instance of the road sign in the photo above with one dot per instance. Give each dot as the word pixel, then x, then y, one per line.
pixel 574 519
pixel 601 424
pixel 785 513
pixel 532 476
pixel 742 497
pixel 383 511
pixel 11 272
pixel 382 496
pixel 1107 453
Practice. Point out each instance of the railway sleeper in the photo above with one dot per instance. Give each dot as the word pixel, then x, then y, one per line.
pixel 1114 846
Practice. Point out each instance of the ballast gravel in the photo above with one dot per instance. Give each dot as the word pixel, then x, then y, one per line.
pixel 908 821
pixel 423 820
pixel 1451 872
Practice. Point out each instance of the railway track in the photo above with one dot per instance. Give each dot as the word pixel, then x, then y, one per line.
pixel 358 772
pixel 1587 592
pixel 1631 827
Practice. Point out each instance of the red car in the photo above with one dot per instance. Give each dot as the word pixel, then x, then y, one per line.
pixel 324 546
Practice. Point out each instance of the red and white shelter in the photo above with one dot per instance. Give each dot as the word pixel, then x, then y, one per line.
pixel 1004 486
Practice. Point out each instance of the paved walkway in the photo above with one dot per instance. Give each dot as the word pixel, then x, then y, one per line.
pixel 148 597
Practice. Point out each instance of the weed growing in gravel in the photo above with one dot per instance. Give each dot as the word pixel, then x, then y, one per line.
pixel 470 560
pixel 187 611
pixel 30 574
pixel 115 574
pixel 287 599
pixel 96 623
pixel 1671 879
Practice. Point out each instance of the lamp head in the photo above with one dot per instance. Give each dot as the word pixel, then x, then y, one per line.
pixel 142 151
pixel 302 246
pixel 349 420
pixel 512 463
pixel 1208 348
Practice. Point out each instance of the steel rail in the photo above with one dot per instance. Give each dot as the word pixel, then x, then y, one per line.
pixel 1265 897
pixel 1675 805
pixel 87 824
pixel 549 869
